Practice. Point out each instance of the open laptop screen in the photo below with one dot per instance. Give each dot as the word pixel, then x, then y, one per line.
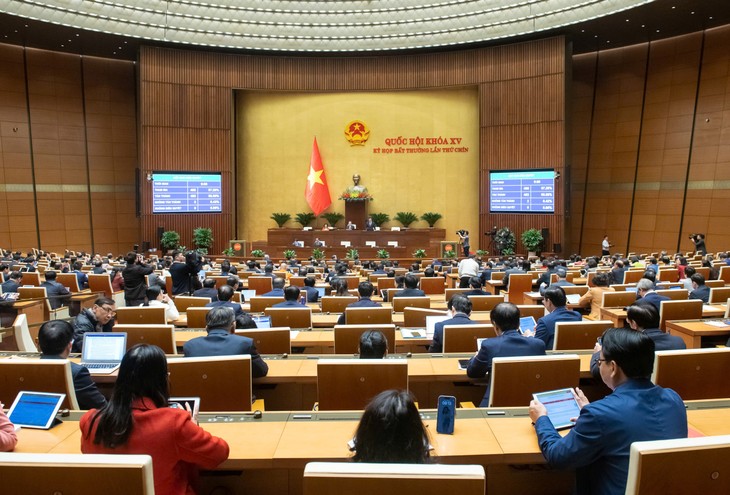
pixel 104 347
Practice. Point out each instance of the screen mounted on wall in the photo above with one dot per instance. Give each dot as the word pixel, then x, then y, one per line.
pixel 186 192
pixel 522 191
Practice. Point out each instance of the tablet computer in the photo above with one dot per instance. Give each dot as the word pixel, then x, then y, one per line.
pixel 561 407
pixel 186 403
pixel 35 409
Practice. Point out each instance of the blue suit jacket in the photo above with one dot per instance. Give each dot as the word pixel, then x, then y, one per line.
pixel 702 292
pixel 509 344
pixel 409 293
pixel 237 309
pixel 289 304
pixel 207 292
pixel 219 342
pixel 655 299
pixel 312 293
pixel 364 302
pixel 437 342
pixel 87 394
pixel 545 328
pixel 662 342
pixel 274 293
pixel 598 446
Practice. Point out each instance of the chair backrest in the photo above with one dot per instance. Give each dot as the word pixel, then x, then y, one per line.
pixel 519 283
pixel 724 274
pixel 537 311
pixel 295 318
pixel 485 303
pixel 28 293
pixel 386 283
pixel 30 278
pixel 182 303
pixel 223 383
pixel 347 337
pixel 163 336
pixel 674 294
pixel 76 473
pixel 17 337
pixel 694 373
pixel 683 465
pixel 393 479
pixel 399 303
pixel 70 281
pixel 620 299
pixel 142 315
pixel 220 280
pixel 463 338
pixel 336 304
pixel 344 384
pixel 633 276
pixel 259 304
pixel 449 293
pixel 352 282
pixel 433 285
pixel 98 283
pixel 368 316
pixel 416 317
pixel 719 295
pixel 668 274
pixel 714 283
pixel 37 375
pixel 261 285
pixel 515 379
pixel 704 271
pixel 679 310
pixel 575 289
pixel 269 340
pixel 574 335
pixel 196 317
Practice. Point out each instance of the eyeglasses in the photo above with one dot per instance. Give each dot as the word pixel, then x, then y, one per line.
pixel 109 311
pixel 598 361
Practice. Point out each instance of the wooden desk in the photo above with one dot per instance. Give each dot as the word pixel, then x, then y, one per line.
pixel 693 331
pixel 532 298
pixel 618 315
pixel 33 310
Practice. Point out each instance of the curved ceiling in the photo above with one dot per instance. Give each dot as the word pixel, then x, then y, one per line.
pixel 318 25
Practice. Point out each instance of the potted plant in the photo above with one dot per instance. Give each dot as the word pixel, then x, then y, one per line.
pixel 203 239
pixel 406 217
pixel 317 254
pixel 352 254
pixel 380 218
pixel 170 240
pixel 505 241
pixel 304 219
pixel 431 218
pixel 229 251
pixel 419 254
pixel 280 218
pixel 450 255
pixel 258 253
pixel 289 254
pixel 482 252
pixel 332 218
pixel 532 240
pixel 383 254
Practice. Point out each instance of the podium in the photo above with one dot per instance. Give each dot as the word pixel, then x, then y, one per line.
pixel 356 211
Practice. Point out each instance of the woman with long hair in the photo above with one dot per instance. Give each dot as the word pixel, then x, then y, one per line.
pixel 137 420
pixel 391 430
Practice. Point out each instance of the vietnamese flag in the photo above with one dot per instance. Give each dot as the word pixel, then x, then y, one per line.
pixel 316 192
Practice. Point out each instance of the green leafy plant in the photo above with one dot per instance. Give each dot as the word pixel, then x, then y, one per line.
pixel 380 218
pixel 383 254
pixel 280 218
pixel 450 255
pixel 203 239
pixel 531 239
pixel 258 253
pixel 317 254
pixel 352 254
pixel 419 254
pixel 289 254
pixel 304 219
pixel 406 217
pixel 229 251
pixel 505 240
pixel 508 251
pixel 481 252
pixel 170 240
pixel 332 217
pixel 431 218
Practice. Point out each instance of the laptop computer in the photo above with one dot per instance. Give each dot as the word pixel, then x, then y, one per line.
pixel 262 321
pixel 321 292
pixel 431 323
pixel 103 351
pixel 35 409
pixel 248 294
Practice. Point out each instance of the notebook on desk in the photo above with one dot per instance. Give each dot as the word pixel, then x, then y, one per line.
pixel 103 351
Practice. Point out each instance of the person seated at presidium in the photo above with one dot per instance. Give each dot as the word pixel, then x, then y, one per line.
pixel 222 341
pixel 365 290
pixel 291 298
pixel 509 343
pixel 98 318
pixel 156 299
pixel 637 410
pixel 391 430
pixel 55 339
pixel 411 288
pixel 137 420
pixel 554 300
pixel 459 307
pixel 373 345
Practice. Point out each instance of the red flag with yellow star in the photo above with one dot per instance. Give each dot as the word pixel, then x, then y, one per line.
pixel 316 192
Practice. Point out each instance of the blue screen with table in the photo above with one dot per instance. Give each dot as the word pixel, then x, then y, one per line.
pixel 186 192
pixel 522 191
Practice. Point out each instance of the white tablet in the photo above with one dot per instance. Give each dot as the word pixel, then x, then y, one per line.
pixel 561 407
pixel 35 409
pixel 186 403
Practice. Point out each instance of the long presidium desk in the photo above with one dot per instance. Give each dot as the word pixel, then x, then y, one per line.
pixel 268 454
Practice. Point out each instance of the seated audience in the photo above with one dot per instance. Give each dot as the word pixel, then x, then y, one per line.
pixel 373 345
pixel 700 290
pixel 411 283
pixel 138 420
pixel 562 281
pixel 58 295
pixel 554 300
pixel 475 288
pixel 594 296
pixel 365 290
pixel 277 288
pixel 291 298
pixel 391 430
pixel 98 318
pixel 157 299
pixel 312 293
pixel 645 292
pixel 208 290
pixel 225 294
pixel 637 410
pixel 459 308
pixel 12 283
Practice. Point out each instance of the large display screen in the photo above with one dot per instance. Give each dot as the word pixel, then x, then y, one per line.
pixel 186 192
pixel 522 191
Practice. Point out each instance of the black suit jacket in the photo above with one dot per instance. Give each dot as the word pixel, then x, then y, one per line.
pixel 364 302
pixel 10 286
pixel 410 293
pixel 219 342
pixel 702 292
pixel 55 292
pixel 87 394
pixel 209 292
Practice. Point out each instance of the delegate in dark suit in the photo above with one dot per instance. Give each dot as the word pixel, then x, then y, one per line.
pixel 702 292
pixel 509 344
pixel 207 292
pixel 662 342
pixel 237 309
pixel 312 294
pixel 289 304
pixel 409 293
pixel 545 328
pixel 56 293
pixel 364 302
pixel 655 299
pixel 219 342
pixel 274 293
pixel 437 342
pixel 10 286
pixel 87 394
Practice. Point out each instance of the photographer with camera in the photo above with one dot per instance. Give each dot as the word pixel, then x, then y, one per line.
pixel 184 272
pixel 699 240
pixel 135 284
pixel 464 239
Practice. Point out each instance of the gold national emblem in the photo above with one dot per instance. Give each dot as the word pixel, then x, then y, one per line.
pixel 356 132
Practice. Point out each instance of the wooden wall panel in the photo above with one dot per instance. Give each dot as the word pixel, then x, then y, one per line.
pixel 186 105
